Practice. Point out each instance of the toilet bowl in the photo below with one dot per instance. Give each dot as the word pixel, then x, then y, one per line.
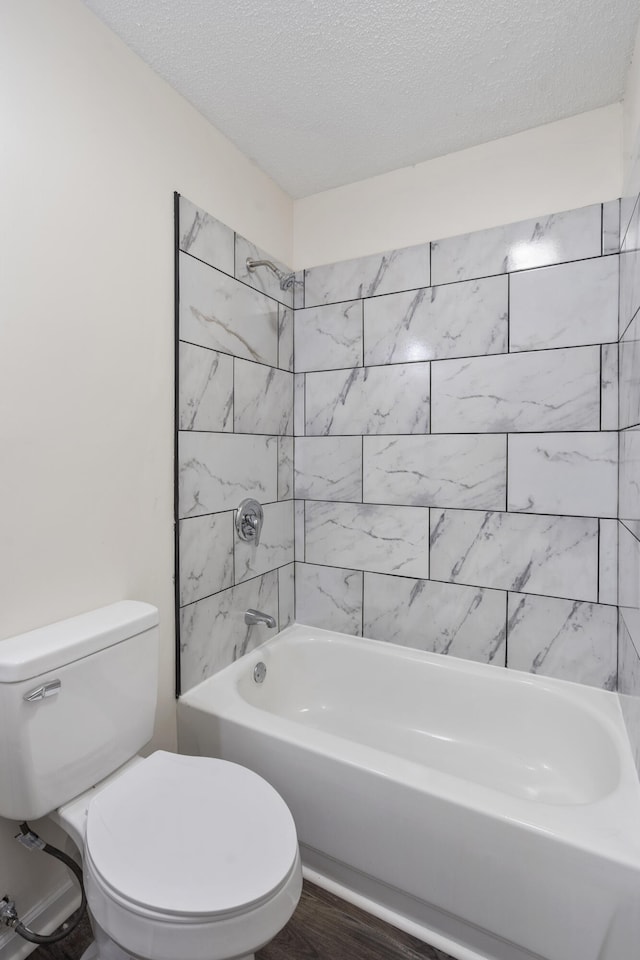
pixel 184 858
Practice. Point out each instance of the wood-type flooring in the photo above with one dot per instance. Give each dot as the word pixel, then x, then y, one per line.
pixel 322 928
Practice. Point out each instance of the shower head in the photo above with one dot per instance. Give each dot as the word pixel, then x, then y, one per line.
pixel 286 279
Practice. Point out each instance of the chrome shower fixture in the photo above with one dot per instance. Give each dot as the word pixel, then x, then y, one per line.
pixel 286 279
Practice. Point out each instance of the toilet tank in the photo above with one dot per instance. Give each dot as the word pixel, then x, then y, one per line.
pixel 77 700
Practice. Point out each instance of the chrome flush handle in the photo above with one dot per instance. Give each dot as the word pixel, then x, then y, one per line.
pixel 41 693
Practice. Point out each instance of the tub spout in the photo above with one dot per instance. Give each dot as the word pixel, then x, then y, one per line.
pixel 252 617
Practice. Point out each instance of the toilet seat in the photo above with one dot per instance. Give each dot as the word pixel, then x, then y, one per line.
pixel 189 839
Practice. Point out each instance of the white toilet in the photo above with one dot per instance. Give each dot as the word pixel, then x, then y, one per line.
pixel 184 858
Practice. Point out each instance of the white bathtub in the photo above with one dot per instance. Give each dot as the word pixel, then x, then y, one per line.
pixel 493 813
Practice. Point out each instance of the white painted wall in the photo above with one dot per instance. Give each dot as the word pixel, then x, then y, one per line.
pixel 93 145
pixel 631 125
pixel 562 165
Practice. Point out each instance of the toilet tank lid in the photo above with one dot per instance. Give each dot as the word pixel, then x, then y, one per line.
pixel 47 648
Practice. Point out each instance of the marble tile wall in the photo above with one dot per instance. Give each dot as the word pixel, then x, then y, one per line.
pixel 629 473
pixel 433 434
pixel 456 445
pixel 235 440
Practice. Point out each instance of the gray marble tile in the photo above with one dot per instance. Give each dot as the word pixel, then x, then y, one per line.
pixel 298 290
pixel 368 276
pixel 557 238
pixel 204 237
pixel 328 468
pixel 329 337
pixel 205 389
pixel 456 320
pixel 213 633
pixel 627 208
pixel 564 473
pixel 438 617
pixel 329 597
pixel 611 226
pixel 298 525
pixel 218 470
pixel 631 238
pixel 298 404
pixel 555 556
pixel 564 306
pixel 609 387
pixel 630 269
pixel 633 526
pixel 629 688
pixel 218 312
pixel 630 475
pixel 286 595
pixel 206 556
pixel 439 471
pixel 629 581
pixel 373 400
pixel 608 585
pixel 365 537
pixel 630 617
pixel 285 468
pixel 542 390
pixel 629 664
pixel 630 210
pixel 629 361
pixel 285 338
pixel 263 399
pixel 629 287
pixel 565 639
pixel 262 278
pixel 276 543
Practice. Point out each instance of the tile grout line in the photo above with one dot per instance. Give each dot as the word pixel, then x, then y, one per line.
pixel 409 289
pixel 176 452
pixel 601 381
pixel 508 313
pixel 393 365
pixel 598 567
pixel 450 283
pixel 583 431
pixel 454 583
pixel 506 477
pixel 418 506
pixel 506 628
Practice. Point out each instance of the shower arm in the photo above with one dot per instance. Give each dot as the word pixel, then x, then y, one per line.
pixel 286 279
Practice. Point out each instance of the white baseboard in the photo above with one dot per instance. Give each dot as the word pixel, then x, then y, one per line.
pixel 44 917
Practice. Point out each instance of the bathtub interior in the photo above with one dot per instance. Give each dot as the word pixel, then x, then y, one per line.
pixel 515 733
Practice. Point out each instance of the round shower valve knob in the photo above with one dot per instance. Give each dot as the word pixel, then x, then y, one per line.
pixel 249 520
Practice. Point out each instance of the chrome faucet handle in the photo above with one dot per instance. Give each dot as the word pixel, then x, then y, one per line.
pixel 249 520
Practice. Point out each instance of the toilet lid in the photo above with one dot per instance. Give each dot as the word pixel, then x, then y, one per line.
pixel 190 836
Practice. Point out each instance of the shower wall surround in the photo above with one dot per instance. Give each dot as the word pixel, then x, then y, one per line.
pixel 455 414
pixel 629 480
pixel 235 440
pixel 456 446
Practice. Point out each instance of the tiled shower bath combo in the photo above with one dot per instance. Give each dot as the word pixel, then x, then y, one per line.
pixel 450 459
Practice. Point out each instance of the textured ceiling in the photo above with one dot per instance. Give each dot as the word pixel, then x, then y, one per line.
pixel 325 92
